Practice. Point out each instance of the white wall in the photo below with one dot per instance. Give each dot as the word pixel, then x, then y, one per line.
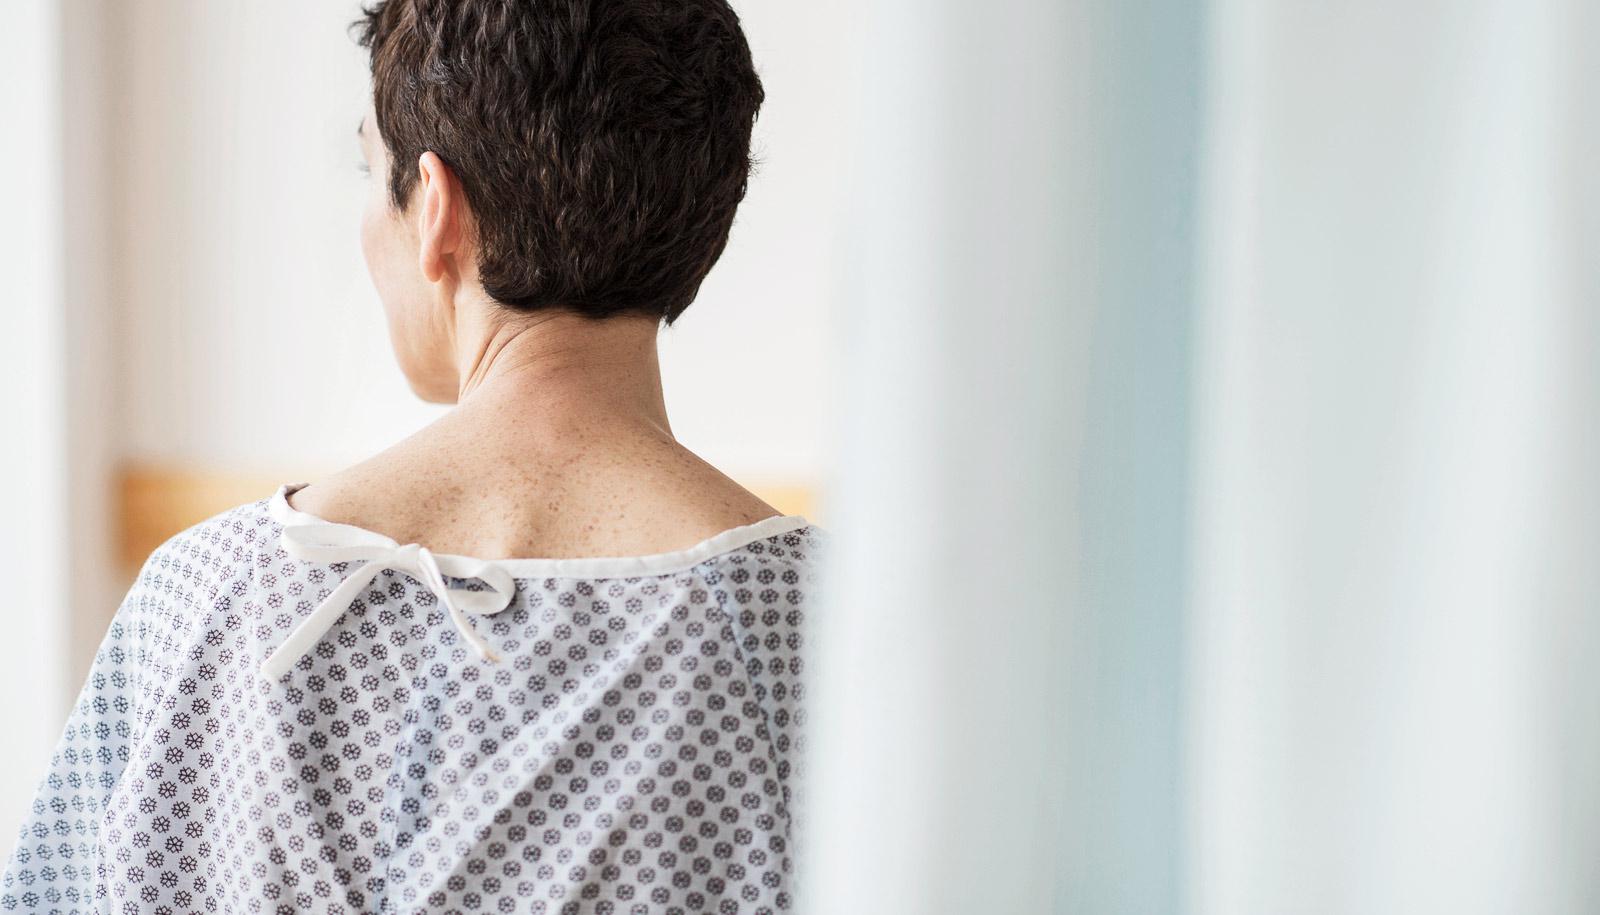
pixel 33 351
pixel 90 369
pixel 245 299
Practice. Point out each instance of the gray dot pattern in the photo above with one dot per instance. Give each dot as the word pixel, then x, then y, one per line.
pixel 636 750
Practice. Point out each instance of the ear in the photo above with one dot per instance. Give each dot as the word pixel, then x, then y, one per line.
pixel 439 217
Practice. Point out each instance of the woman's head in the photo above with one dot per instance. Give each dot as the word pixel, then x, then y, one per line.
pixel 583 156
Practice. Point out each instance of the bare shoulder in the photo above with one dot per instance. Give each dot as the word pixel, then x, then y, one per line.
pixel 624 502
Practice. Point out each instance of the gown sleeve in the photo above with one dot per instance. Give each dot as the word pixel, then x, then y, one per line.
pixel 53 866
pixel 771 625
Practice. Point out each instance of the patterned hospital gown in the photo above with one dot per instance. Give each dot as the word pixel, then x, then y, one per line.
pixel 291 715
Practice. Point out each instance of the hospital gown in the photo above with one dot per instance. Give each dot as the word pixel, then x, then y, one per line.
pixel 290 715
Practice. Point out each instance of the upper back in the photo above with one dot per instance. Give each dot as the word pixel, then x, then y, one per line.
pixel 632 501
pixel 637 738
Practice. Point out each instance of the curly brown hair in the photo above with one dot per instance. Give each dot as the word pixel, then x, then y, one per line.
pixel 602 145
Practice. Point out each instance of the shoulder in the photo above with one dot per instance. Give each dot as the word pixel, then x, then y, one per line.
pixel 213 557
pixel 780 567
pixel 801 547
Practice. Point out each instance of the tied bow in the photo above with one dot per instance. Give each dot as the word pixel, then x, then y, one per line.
pixel 332 542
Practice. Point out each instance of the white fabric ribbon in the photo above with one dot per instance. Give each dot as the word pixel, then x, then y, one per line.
pixel 331 542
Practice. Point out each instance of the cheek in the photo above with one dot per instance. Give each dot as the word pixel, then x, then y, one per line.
pixel 378 247
pixel 391 262
pixel 383 250
pixel 371 238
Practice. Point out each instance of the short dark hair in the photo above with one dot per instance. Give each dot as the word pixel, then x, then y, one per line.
pixel 603 145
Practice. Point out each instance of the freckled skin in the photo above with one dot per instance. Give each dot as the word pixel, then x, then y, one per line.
pixel 558 444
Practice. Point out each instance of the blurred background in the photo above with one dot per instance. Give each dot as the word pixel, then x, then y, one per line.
pixel 1204 398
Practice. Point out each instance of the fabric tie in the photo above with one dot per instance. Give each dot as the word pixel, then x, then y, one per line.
pixel 331 542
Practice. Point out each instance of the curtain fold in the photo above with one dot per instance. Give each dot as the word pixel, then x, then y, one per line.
pixel 998 668
pixel 1217 516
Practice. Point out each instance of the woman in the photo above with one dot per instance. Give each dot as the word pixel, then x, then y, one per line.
pixel 365 693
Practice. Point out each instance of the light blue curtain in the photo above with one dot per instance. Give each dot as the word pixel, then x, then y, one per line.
pixel 999 670
pixel 1217 518
pixel 1391 703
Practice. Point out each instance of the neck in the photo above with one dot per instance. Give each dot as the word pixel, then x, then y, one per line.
pixel 558 371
